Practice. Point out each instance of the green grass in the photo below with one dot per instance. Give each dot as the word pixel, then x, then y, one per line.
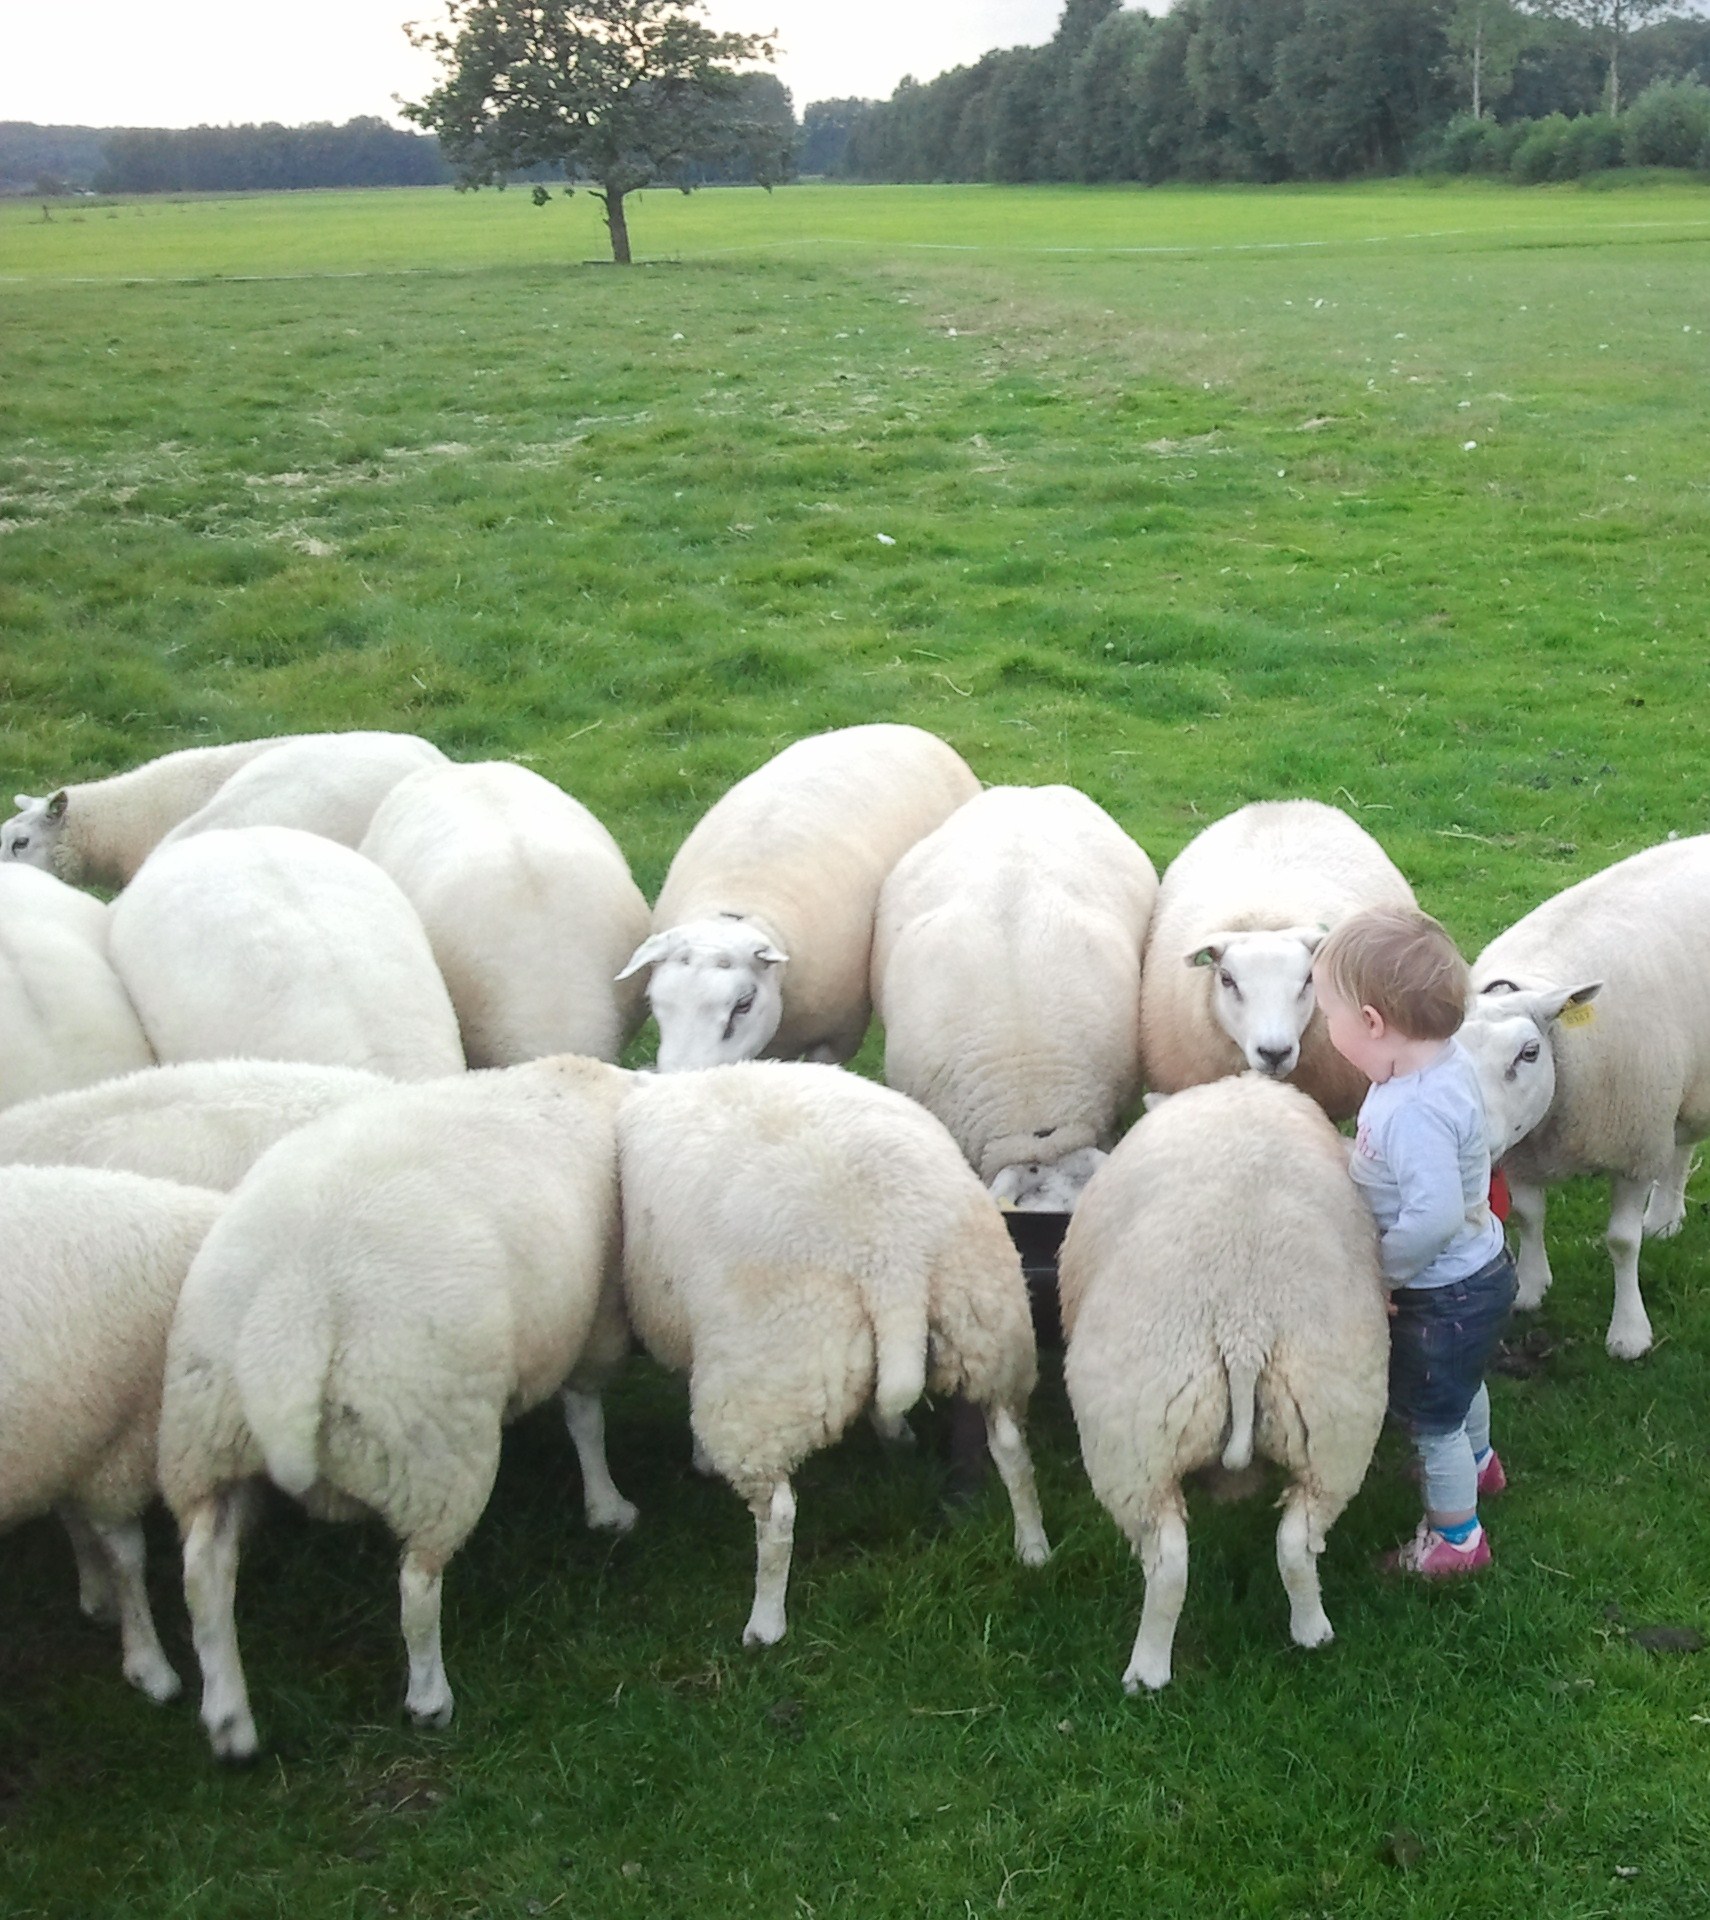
pixel 1182 512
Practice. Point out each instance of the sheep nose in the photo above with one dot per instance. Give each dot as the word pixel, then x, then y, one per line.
pixel 1275 1059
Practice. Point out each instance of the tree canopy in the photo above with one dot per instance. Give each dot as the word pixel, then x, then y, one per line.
pixel 617 94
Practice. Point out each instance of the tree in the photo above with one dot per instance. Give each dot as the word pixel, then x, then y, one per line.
pixel 622 94
pixel 1485 39
pixel 1612 21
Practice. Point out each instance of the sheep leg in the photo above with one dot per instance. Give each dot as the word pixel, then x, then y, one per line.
pixel 700 1459
pixel 428 1699
pixel 1533 1263
pixel 211 1534
pixel 892 1428
pixel 775 1533
pixel 1164 1559
pixel 95 1597
pixel 1015 1467
pixel 604 1506
pixel 1297 1562
pixel 1666 1208
pixel 146 1664
pixel 1629 1326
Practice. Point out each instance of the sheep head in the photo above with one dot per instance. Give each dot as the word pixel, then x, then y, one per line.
pixel 716 990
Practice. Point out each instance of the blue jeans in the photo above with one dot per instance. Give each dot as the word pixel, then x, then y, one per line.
pixel 1440 1342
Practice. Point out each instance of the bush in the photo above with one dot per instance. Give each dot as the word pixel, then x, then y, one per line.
pixel 1591 144
pixel 1668 125
pixel 1539 150
pixel 1467 145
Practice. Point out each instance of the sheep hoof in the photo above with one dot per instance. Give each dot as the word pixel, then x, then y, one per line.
pixel 1312 1632
pixel 435 1716
pixel 762 1632
pixel 1032 1549
pixel 618 1516
pixel 1152 1675
pixel 233 1741
pixel 155 1678
pixel 1629 1343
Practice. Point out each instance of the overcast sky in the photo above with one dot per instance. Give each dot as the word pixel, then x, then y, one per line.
pixel 177 63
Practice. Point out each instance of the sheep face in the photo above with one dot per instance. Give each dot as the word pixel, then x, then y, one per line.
pixel 716 990
pixel 1261 992
pixel 1030 1186
pixel 33 831
pixel 1508 1032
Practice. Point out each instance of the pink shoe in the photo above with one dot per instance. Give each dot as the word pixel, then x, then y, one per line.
pixel 1491 1478
pixel 1429 1556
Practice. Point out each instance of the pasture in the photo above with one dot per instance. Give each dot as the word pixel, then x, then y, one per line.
pixel 1397 497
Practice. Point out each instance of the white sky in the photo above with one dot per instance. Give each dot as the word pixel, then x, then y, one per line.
pixel 176 63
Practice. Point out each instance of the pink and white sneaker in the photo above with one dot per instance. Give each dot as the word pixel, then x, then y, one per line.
pixel 1428 1556
pixel 1491 1478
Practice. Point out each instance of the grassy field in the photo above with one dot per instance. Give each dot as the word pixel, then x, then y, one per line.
pixel 1397 497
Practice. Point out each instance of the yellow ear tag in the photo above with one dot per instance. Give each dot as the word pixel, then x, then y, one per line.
pixel 1580 1014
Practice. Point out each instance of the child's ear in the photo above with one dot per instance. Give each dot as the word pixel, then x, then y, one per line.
pixel 1374 1022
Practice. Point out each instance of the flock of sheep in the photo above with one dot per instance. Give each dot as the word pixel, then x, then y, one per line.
pixel 257 1221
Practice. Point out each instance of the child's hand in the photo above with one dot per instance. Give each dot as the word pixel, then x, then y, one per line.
pixel 1389 1305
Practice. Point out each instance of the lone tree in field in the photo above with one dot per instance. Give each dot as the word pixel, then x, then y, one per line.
pixel 620 94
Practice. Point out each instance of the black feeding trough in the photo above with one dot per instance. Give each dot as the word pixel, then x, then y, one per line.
pixel 1037 1238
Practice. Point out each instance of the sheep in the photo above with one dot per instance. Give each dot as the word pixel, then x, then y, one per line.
pixel 204 1123
pixel 325 783
pixel 1006 975
pixel 90 1267
pixel 1620 1087
pixel 96 833
pixel 387 1288
pixel 1243 908
pixel 763 933
pixel 528 905
pixel 1220 1293
pixel 65 1019
pixel 272 943
pixel 803 1244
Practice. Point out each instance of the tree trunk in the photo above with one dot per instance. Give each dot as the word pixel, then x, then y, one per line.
pixel 616 225
pixel 1478 68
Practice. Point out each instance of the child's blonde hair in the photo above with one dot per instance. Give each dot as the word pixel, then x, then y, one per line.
pixel 1402 963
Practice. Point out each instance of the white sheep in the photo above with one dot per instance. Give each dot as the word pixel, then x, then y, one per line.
pixel 528 904
pixel 1621 1086
pixel 1220 1293
pixel 387 1288
pixel 96 833
pixel 90 1268
pixel 1227 978
pixel 205 1123
pixel 763 932
pixel 803 1245
pixel 325 783
pixel 65 1018
pixel 272 943
pixel 1006 975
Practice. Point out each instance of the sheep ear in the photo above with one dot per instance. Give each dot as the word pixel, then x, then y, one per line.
pixel 770 956
pixel 653 948
pixel 1207 956
pixel 57 805
pixel 1568 1006
pixel 1153 1101
pixel 1311 938
pixel 22 801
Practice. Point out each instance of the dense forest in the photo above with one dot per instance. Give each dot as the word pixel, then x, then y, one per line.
pixel 1210 90
pixel 1279 90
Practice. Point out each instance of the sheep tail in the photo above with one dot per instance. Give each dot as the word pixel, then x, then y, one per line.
pixel 1243 1387
pixel 281 1384
pixel 899 1341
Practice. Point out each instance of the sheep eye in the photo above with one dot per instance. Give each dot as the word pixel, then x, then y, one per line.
pixel 1529 1052
pixel 19 844
pixel 1227 980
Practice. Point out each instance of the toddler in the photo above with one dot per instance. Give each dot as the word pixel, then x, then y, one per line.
pixel 1393 989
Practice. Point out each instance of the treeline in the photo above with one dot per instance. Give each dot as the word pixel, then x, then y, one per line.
pixel 364 152
pixel 1257 90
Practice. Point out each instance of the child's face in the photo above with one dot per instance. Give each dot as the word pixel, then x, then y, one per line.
pixel 1357 1033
